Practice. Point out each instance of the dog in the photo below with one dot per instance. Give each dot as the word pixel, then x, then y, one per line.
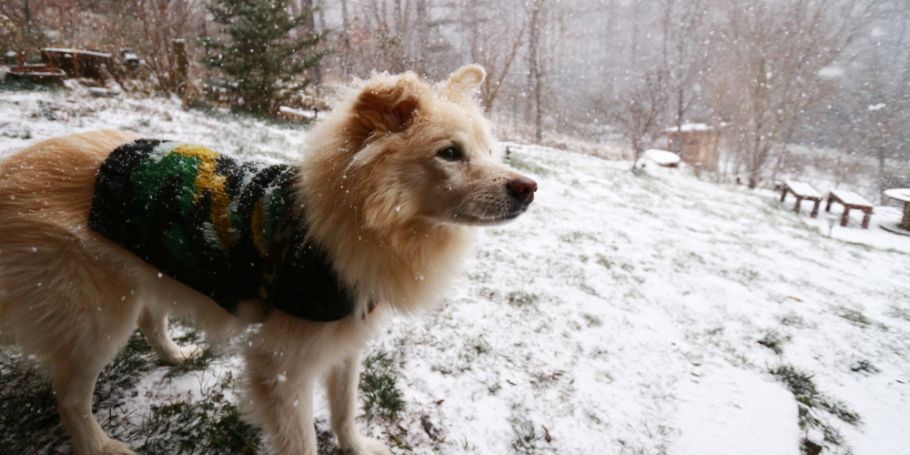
pixel 390 185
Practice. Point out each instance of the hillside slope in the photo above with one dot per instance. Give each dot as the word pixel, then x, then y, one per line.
pixel 621 314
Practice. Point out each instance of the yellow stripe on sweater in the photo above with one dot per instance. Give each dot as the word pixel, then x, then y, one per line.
pixel 207 179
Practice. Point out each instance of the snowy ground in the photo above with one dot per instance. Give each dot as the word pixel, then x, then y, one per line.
pixel 621 314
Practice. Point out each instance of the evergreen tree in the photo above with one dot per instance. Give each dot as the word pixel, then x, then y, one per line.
pixel 257 52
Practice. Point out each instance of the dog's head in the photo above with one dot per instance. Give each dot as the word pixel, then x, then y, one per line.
pixel 425 153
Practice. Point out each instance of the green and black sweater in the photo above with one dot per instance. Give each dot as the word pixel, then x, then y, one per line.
pixel 220 226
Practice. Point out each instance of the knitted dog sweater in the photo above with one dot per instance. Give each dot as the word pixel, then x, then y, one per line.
pixel 220 226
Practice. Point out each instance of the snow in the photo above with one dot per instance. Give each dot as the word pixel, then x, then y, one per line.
pixel 901 194
pixel 620 314
pixel 661 157
pixel 831 72
pixel 849 197
pixel 690 127
pixel 803 189
pixel 727 410
pixel 300 113
pixel 77 51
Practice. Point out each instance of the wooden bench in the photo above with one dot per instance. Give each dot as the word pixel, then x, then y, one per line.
pixel 801 191
pixel 850 201
pixel 37 73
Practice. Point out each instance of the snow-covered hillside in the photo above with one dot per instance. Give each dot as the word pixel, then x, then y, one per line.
pixel 621 314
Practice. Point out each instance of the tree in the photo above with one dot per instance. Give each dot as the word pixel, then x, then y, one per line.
pixel 150 27
pixel 259 57
pixel 19 31
pixel 681 26
pixel 771 70
pixel 535 72
pixel 492 46
pixel 880 105
pixel 640 111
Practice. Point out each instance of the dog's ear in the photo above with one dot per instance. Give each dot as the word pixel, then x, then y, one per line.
pixel 388 105
pixel 464 81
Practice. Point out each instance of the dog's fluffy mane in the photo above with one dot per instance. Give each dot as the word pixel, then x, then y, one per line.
pixel 368 221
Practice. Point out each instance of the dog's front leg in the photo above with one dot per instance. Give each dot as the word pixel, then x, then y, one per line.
pixel 281 403
pixel 341 387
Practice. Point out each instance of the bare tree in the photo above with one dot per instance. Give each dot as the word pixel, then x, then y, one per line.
pixel 771 64
pixel 682 50
pixel 153 30
pixel 535 73
pixel 880 106
pixel 639 112
pixel 491 45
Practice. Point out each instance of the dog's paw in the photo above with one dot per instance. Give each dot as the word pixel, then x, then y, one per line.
pixel 367 446
pixel 374 447
pixel 183 354
pixel 115 447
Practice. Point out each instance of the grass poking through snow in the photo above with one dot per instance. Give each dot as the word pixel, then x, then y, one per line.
pixel 211 425
pixel 814 406
pixel 379 386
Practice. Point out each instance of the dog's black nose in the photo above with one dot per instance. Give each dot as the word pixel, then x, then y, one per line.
pixel 522 188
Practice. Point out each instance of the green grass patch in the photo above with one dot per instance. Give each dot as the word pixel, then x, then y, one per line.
pixel 814 405
pixel 773 341
pixel 525 439
pixel 855 316
pixel 898 312
pixel 28 406
pixel 521 298
pixel 379 388
pixel 864 366
pixel 792 319
pixel 212 425
pixel 528 437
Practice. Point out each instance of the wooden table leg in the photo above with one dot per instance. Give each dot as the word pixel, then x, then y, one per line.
pixel 799 202
pixel 783 194
pixel 815 207
pixel 866 215
pixel 906 222
pixel 828 205
pixel 845 217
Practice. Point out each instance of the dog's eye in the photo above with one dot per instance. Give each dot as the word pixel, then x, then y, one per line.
pixel 451 153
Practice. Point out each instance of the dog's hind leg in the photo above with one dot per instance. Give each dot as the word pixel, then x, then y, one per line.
pixel 74 383
pixel 71 312
pixel 153 325
pixel 341 387
pixel 84 344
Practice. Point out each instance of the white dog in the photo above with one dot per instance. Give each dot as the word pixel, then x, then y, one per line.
pixel 373 219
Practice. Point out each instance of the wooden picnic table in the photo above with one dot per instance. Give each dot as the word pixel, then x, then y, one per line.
pixel 39 73
pixel 77 62
pixel 903 195
pixel 850 201
pixel 801 190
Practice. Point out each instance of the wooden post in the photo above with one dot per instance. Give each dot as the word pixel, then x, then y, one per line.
pixel 815 207
pixel 799 202
pixel 845 217
pixel 906 222
pixel 866 215
pixel 180 71
pixel 783 194
pixel 77 66
pixel 830 200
